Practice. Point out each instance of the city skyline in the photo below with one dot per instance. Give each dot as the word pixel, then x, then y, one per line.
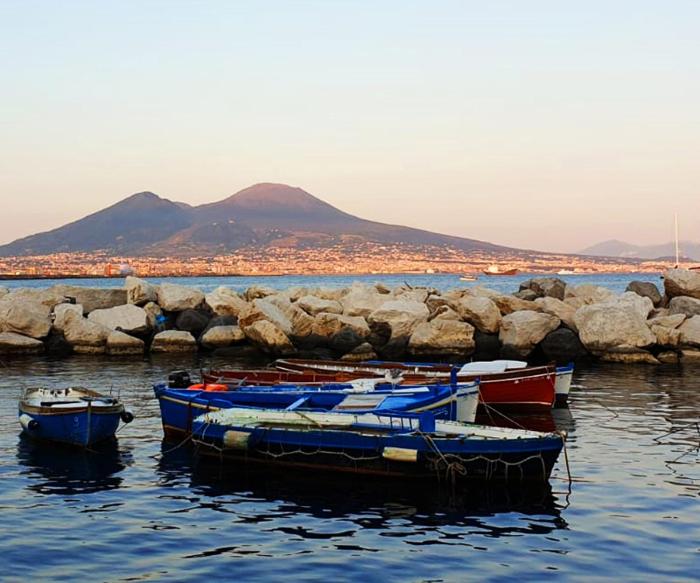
pixel 543 127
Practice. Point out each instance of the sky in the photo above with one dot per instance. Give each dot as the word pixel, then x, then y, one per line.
pixel 545 125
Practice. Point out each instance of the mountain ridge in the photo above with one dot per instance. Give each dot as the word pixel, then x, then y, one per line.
pixel 617 248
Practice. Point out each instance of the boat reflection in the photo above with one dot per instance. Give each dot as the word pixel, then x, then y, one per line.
pixel 357 498
pixel 64 470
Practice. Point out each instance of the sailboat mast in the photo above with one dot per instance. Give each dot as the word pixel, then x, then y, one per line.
pixel 676 229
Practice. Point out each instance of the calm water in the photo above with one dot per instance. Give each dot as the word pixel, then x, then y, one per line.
pixel 137 513
pixel 616 282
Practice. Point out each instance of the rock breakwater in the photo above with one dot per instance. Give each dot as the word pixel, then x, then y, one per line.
pixel 546 319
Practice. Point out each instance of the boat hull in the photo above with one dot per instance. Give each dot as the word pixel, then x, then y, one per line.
pixel 78 427
pixel 411 455
pixel 562 385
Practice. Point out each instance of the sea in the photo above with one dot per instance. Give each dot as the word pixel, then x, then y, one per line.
pixel 625 507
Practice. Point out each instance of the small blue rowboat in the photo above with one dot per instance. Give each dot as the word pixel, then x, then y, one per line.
pixel 387 444
pixel 73 416
pixel 179 407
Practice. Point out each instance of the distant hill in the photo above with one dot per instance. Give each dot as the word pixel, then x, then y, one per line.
pixel 263 214
pixel 615 248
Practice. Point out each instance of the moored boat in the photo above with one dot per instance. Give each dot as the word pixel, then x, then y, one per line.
pixel 496 270
pixel 74 416
pixel 179 407
pixel 385 444
pixel 505 384
pixel 562 385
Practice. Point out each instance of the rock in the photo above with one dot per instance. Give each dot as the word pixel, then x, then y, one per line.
pixel 264 309
pixel 221 336
pixel 24 316
pixel 119 343
pixel 560 309
pixel 521 331
pixel 4 291
pixel 665 336
pixel 127 318
pixel 658 313
pixel 526 294
pixel 402 315
pixel 442 337
pixel 362 301
pixel 173 341
pixel 488 346
pixel 177 298
pixel 510 304
pixel 220 321
pixel 48 298
pixel 446 313
pixel 639 357
pixel 613 327
pixel 483 292
pixel 690 331
pixel 301 322
pixel 225 302
pixel 630 300
pixel 343 333
pixel 575 302
pixel 668 357
pixel 684 305
pixel 84 336
pixel 419 295
pixel 92 298
pixel 551 287
pixel 258 292
pixel 434 302
pixel 362 352
pixel 482 312
pixel 192 321
pixel 269 337
pixel 646 289
pixel 313 305
pixel 139 292
pixel 329 293
pixel 381 288
pixel 60 312
pixel 562 345
pixel 13 343
pixel 588 293
pixel 690 354
pixel 670 321
pixel 682 282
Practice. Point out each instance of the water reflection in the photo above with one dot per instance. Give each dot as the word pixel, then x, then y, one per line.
pixel 56 469
pixel 368 502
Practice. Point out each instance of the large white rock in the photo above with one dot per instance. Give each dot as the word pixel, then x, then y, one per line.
pixel 522 331
pixel 264 309
pixel 222 336
pixel 668 321
pixel 313 305
pixel 682 282
pixel 177 298
pixel 684 305
pixel 612 327
pixel 13 343
pixel 173 341
pixel 442 337
pixel 139 291
pixel 129 318
pixel 558 308
pixel 690 331
pixel 509 304
pixel 119 343
pixel 258 292
pixel 60 312
pixel 401 315
pixel 269 337
pixel 91 298
pixel 85 336
pixel 24 316
pixel 588 293
pixel 301 322
pixel 665 328
pixel 362 300
pixel 153 312
pixel 480 311
pixel 632 301
pixel 48 298
pixel 226 302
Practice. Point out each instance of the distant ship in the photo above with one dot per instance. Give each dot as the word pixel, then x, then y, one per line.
pixel 566 272
pixel 495 270
pixel 469 277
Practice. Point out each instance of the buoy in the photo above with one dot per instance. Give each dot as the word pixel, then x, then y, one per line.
pixel 208 387
pixel 28 423
pixel 236 439
pixel 126 416
pixel 400 454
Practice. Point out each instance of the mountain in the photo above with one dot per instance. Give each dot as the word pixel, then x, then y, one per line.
pixel 139 220
pixel 261 215
pixel 615 248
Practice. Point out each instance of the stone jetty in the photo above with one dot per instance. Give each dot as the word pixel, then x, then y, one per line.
pixel 545 320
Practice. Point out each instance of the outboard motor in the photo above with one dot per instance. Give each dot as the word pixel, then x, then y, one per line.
pixel 180 379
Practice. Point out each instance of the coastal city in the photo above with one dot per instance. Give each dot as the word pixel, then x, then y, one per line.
pixel 364 258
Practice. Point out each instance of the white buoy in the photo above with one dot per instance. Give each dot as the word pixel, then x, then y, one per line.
pixel 28 423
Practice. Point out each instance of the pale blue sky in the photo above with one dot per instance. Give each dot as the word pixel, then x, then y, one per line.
pixel 549 125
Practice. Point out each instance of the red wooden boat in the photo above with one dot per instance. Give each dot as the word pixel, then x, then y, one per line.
pixel 529 387
pixel 265 377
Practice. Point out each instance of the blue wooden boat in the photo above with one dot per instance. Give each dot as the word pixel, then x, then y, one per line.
pixel 382 443
pixel 73 416
pixel 179 407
